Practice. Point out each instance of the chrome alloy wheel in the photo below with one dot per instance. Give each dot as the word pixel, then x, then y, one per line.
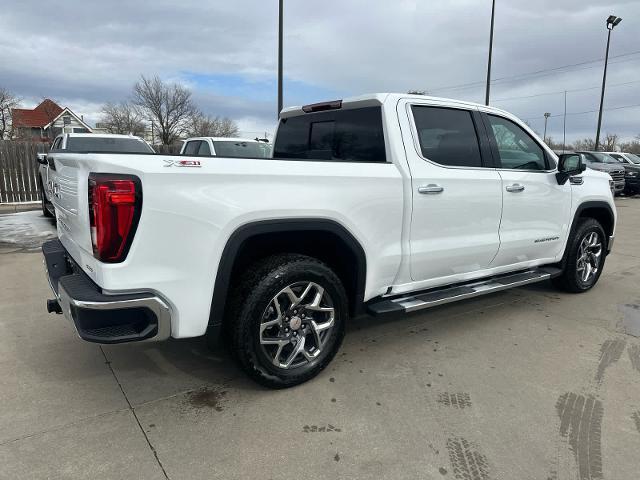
pixel 296 324
pixel 589 256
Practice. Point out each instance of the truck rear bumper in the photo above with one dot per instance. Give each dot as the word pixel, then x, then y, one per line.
pixel 96 316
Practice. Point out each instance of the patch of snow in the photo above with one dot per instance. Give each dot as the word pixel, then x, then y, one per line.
pixel 26 229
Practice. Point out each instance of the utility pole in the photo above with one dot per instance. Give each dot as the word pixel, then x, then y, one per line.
pixel 280 57
pixel 546 117
pixel 564 123
pixel 493 12
pixel 612 21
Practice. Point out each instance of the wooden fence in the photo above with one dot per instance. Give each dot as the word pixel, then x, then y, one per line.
pixel 19 171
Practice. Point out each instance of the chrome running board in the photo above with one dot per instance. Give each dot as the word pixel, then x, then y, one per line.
pixel 435 297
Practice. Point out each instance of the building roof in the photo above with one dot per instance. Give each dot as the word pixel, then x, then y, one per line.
pixel 39 117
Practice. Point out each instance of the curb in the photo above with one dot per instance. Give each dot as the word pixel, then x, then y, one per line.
pixel 18 207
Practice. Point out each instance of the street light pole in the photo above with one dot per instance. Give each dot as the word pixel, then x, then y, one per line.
pixel 493 12
pixel 546 117
pixel 279 57
pixel 564 123
pixel 612 21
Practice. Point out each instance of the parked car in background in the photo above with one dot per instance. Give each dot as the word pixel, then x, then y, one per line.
pixel 381 203
pixel 43 184
pixel 225 147
pixel 631 164
pixel 605 163
pixel 83 143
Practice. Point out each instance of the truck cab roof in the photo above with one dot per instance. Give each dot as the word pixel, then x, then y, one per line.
pixel 376 99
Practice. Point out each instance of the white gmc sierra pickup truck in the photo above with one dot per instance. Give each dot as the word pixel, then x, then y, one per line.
pixel 381 203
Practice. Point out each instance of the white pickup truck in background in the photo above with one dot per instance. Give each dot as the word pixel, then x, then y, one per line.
pixel 381 203
pixel 225 147
pixel 83 142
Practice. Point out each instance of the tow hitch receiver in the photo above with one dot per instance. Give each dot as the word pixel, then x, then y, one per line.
pixel 53 306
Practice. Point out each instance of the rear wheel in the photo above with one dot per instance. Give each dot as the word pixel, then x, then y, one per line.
pixel 585 257
pixel 286 320
pixel 44 203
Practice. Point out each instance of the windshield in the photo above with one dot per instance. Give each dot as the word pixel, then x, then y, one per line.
pixel 598 157
pixel 618 157
pixel 633 158
pixel 107 144
pixel 232 148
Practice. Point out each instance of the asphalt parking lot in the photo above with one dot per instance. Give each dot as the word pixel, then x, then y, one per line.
pixel 525 384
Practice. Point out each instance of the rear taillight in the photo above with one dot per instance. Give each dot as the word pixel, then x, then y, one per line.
pixel 115 202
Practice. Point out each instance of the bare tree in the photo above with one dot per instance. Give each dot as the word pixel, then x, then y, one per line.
pixel 631 147
pixel 610 142
pixel 122 118
pixel 553 145
pixel 8 101
pixel 585 144
pixel 201 125
pixel 169 105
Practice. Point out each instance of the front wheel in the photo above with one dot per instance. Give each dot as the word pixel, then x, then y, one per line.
pixel 586 253
pixel 287 319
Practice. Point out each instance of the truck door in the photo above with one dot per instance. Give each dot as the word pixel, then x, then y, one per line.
pixel 536 210
pixel 456 192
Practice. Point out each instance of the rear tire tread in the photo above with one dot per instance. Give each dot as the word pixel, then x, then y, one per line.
pixel 249 294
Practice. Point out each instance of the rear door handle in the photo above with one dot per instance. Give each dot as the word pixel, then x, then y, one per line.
pixel 516 187
pixel 430 189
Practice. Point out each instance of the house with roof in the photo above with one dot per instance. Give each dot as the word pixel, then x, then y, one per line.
pixel 46 121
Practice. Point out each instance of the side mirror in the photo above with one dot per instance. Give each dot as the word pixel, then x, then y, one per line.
pixel 570 164
pixel 41 158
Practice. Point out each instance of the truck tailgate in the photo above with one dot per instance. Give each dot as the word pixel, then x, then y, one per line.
pixel 69 196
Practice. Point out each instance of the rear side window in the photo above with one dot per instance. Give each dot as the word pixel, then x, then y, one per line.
pixel 447 136
pixel 353 135
pixel 516 148
pixel 204 149
pixel 192 148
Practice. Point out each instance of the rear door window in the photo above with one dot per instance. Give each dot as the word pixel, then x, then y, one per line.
pixel 192 147
pixel 447 136
pixel 204 149
pixel 351 135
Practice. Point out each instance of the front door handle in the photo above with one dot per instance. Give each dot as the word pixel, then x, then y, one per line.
pixel 430 189
pixel 516 187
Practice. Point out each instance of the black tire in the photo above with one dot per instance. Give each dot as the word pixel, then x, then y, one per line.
pixel 571 280
pixel 43 201
pixel 251 298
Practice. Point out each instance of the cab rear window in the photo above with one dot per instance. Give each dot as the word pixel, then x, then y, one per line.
pixel 353 135
pixel 107 144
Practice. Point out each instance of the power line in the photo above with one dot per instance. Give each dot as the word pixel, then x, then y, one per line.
pixel 547 71
pixel 587 111
pixel 538 75
pixel 542 94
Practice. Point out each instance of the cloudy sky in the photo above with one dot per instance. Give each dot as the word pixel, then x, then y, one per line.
pixel 83 53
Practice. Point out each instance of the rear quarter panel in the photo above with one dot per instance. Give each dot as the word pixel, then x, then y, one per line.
pixel 188 214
